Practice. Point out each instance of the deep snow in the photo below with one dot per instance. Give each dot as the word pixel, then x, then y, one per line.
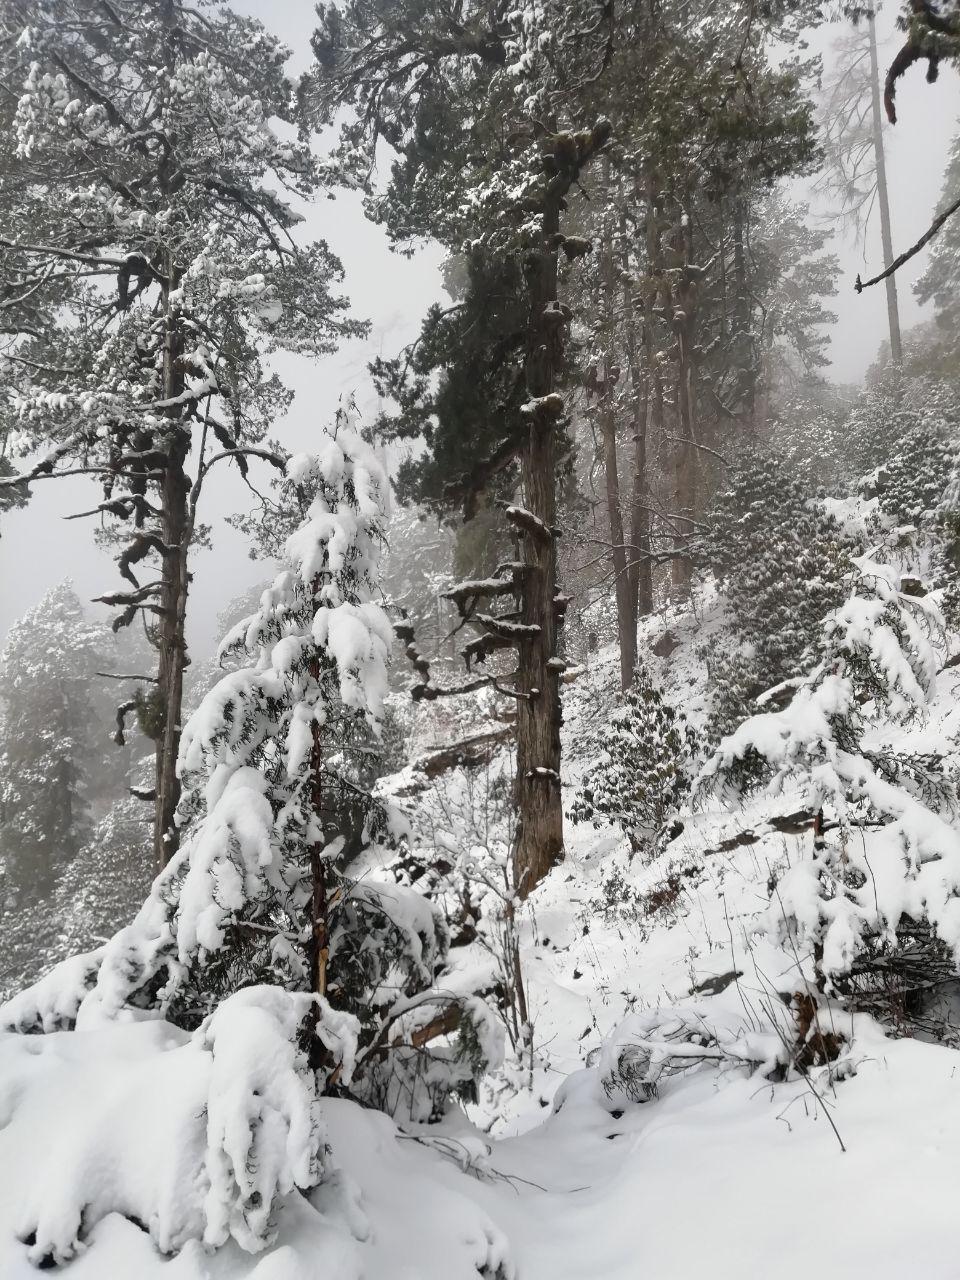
pixel 722 1174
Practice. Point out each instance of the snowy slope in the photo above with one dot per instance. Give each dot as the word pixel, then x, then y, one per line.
pixel 551 1177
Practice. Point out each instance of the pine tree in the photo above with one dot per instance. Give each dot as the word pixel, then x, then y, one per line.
pixel 272 885
pixel 939 282
pixel 145 131
pixel 410 76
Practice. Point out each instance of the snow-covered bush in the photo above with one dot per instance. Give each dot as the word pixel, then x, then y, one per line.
pixel 279 880
pixel 781 560
pixel 644 768
pixel 459 856
pixel 196 1137
pixel 882 801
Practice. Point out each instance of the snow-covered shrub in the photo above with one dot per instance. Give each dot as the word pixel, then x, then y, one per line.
pixel 646 1047
pixel 644 768
pixel 898 415
pixel 197 1137
pixel 621 901
pixel 886 850
pixel 910 484
pixel 773 1039
pixel 276 881
pixel 459 856
pixel 781 560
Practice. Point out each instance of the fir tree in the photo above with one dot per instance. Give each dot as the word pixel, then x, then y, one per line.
pixel 145 130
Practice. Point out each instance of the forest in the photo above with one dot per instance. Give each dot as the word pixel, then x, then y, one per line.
pixel 550 868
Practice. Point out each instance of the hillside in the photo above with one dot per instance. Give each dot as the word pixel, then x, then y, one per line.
pixel 571 1167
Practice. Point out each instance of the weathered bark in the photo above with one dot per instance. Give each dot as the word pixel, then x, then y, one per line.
pixel 886 233
pixel 174 577
pixel 538 845
pixel 539 839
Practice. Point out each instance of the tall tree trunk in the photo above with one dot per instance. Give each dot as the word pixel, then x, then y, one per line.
pixel 538 845
pixel 746 356
pixel 626 615
pixel 686 462
pixel 886 234
pixel 643 383
pixel 175 522
pixel 171 627
pixel 539 840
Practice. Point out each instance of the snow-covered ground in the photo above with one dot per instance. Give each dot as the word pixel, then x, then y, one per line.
pixel 850 1172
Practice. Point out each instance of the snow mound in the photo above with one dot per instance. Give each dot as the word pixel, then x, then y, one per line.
pixel 192 1137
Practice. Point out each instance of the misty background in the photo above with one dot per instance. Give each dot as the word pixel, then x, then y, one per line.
pixel 40 548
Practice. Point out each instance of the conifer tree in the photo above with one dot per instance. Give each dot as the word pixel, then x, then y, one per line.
pixel 144 133
pixel 400 69
pixel 939 281
pixel 782 562
pixel 885 853
pixel 276 882
pixel 47 730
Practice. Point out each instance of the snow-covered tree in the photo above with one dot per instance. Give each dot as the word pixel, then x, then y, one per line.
pixel 103 887
pixel 644 768
pixel 279 879
pixel 46 733
pixel 882 800
pixel 158 138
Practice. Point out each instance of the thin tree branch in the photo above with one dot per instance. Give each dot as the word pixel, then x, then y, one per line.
pixel 912 252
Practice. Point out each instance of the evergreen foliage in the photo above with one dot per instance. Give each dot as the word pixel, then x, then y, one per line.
pixel 886 855
pixel 645 767
pixel 781 560
pixel 160 139
pixel 48 731
pixel 273 883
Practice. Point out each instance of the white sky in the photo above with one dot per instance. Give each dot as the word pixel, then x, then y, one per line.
pixel 38 549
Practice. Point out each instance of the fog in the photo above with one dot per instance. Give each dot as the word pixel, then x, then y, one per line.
pixel 39 547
